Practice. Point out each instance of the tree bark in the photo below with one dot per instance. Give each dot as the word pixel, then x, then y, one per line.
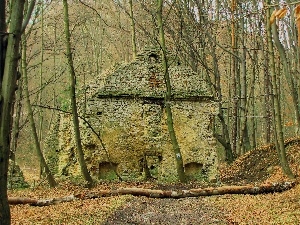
pixel 243 134
pixel 80 153
pixel 40 96
pixel 267 100
pixel 133 32
pixel 7 89
pixel 277 120
pixel 176 148
pixel 234 72
pixel 287 72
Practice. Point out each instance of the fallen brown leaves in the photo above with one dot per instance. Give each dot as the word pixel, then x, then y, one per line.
pixel 90 211
pixel 260 167
pixel 278 208
pixel 156 193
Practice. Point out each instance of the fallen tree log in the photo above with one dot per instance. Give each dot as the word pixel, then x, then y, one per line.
pixel 40 202
pixel 246 189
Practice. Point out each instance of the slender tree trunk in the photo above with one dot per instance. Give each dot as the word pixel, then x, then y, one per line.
pixel 278 131
pixel 297 49
pixel 133 33
pixel 8 86
pixel 252 102
pixel 224 139
pixel 287 72
pixel 176 148
pixel 200 55
pixel 41 118
pixel 293 57
pixel 44 165
pixel 235 96
pixel 80 153
pixel 243 136
pixel 267 101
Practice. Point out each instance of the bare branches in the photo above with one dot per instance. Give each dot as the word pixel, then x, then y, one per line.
pixel 28 15
pixel 98 14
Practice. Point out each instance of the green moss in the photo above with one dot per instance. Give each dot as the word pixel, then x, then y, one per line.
pixel 168 179
pixel 52 160
pixel 16 178
pixel 197 177
pixel 110 176
pixel 133 176
pixel 107 171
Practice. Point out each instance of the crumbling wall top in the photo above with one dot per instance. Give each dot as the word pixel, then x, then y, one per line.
pixel 144 77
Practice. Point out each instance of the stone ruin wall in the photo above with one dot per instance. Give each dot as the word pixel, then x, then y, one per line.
pixel 134 130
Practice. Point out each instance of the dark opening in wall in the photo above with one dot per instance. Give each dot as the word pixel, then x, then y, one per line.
pixel 149 164
pixel 107 171
pixel 193 170
pixel 153 58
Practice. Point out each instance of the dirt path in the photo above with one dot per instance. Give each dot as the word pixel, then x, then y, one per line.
pixel 144 211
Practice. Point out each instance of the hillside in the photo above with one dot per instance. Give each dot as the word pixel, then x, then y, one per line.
pixel 258 166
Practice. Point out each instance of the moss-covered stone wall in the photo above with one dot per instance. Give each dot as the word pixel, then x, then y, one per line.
pixel 126 107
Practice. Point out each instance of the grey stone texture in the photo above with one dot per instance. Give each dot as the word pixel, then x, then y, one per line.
pixel 126 107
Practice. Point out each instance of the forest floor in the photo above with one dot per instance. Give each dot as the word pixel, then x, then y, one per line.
pixel 256 167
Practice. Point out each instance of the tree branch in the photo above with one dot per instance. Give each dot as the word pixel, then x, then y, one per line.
pixel 27 16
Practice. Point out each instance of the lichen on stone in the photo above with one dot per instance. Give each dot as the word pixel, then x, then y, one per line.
pixel 126 108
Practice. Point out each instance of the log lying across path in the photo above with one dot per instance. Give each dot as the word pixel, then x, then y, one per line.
pixel 247 189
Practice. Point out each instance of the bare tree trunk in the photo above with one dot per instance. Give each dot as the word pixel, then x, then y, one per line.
pixel 293 57
pixel 176 148
pixel 278 131
pixel 251 107
pixel 287 71
pixel 235 95
pixel 7 89
pixel 267 103
pixel 44 165
pixel 80 153
pixel 224 139
pixel 41 116
pixel 4 146
pixel 243 136
pixel 133 32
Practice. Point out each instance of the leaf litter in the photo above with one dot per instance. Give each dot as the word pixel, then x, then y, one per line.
pixel 258 166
